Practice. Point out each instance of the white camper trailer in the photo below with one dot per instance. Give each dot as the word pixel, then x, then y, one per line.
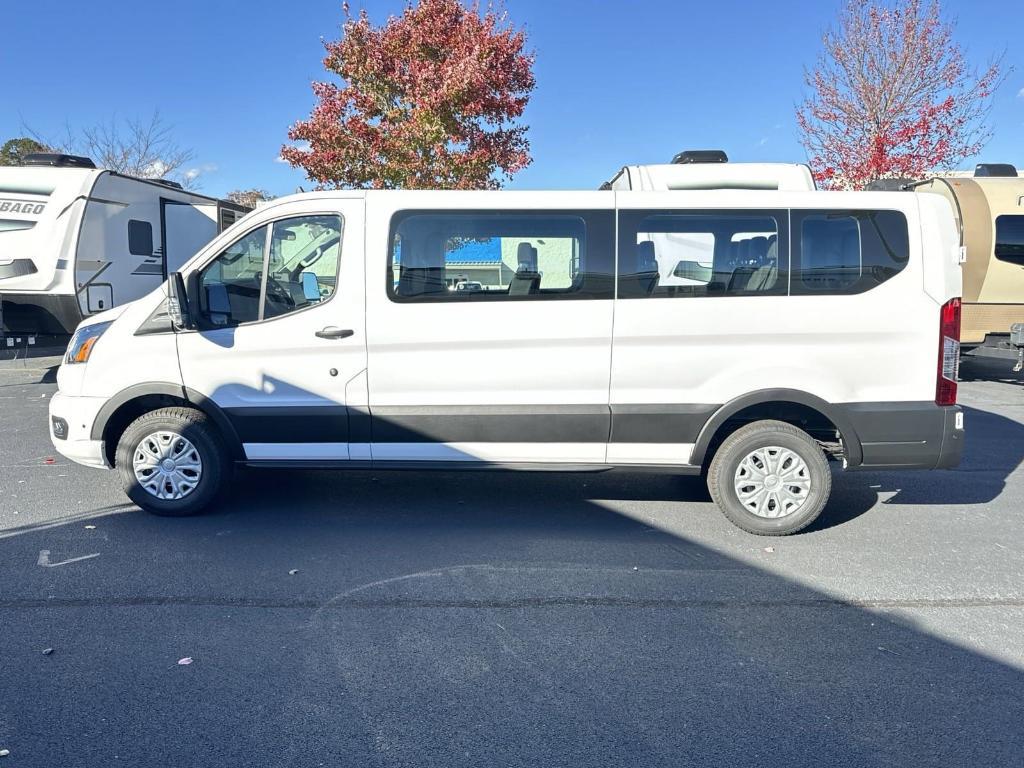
pixel 76 240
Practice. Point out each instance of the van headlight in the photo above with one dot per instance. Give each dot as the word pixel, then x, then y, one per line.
pixel 83 341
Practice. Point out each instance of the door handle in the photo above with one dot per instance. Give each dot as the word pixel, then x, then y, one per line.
pixel 330 332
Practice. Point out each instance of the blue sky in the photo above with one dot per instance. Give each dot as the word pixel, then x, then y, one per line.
pixel 617 82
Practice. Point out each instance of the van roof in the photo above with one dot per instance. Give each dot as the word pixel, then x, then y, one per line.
pixel 707 176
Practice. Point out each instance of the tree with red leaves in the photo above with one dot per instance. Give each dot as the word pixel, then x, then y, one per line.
pixel 429 100
pixel 892 96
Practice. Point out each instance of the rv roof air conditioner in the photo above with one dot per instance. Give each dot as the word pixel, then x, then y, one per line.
pixel 57 160
pixel 1000 170
pixel 700 156
pixel 167 183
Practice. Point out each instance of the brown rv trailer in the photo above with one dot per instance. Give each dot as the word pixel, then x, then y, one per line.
pixel 989 207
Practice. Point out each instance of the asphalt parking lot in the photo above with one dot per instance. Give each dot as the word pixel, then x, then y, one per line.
pixel 487 619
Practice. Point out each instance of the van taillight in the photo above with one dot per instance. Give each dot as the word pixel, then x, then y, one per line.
pixel 949 353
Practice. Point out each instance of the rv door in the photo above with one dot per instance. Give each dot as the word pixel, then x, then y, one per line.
pixel 185 229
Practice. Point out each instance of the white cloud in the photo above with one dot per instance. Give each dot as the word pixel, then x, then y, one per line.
pixel 763 141
pixel 1020 93
pixel 155 170
pixel 194 173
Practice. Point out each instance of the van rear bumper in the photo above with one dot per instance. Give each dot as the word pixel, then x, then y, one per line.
pixel 907 435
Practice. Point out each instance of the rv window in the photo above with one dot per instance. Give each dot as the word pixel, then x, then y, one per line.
pixel 1010 239
pixel 691 254
pixel 140 238
pixel 845 252
pixel 500 255
pixel 227 218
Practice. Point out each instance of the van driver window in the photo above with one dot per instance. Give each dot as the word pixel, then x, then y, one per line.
pixel 229 286
pixel 500 255
pixel 258 278
pixel 668 254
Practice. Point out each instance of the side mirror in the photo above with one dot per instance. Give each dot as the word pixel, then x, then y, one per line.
pixel 310 286
pixel 218 304
pixel 177 302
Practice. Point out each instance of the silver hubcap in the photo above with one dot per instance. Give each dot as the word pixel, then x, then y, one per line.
pixel 167 465
pixel 772 482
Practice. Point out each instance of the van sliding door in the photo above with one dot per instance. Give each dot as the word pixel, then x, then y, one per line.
pixel 489 329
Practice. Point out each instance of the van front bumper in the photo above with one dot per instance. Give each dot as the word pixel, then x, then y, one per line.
pixel 907 435
pixel 71 420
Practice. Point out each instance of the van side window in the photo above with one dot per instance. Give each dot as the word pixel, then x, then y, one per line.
pixel 692 254
pixel 303 263
pixel 1010 239
pixel 846 252
pixel 229 286
pixel 273 270
pixel 140 238
pixel 500 255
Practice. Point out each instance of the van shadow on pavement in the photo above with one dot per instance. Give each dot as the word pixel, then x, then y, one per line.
pixel 464 619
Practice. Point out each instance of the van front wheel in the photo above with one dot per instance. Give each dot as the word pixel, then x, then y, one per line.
pixel 172 462
pixel 770 478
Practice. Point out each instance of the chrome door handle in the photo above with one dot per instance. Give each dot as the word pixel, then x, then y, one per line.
pixel 330 332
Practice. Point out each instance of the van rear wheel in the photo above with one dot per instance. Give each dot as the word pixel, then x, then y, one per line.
pixel 770 478
pixel 172 462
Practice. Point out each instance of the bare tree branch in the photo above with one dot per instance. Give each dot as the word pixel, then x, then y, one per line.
pixel 145 149
pixel 892 95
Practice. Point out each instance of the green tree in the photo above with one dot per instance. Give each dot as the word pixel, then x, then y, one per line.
pixel 14 150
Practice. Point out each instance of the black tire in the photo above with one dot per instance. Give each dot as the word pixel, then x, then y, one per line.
pixel 192 425
pixel 764 434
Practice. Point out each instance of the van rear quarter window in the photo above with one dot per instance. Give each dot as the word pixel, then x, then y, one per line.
pixel 847 252
pixel 500 255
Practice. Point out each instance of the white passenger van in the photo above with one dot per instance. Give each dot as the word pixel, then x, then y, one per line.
pixel 771 332
pixel 76 240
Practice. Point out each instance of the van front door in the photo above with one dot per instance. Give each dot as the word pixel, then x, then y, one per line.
pixel 281 347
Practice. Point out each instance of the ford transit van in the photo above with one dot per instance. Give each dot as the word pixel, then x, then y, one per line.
pixel 756 337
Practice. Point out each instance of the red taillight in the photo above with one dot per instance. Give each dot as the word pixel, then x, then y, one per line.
pixel 949 353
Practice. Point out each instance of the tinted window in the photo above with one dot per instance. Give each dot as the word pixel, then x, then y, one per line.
pixel 140 238
pixel 843 252
pixel 227 218
pixel 500 255
pixel 663 253
pixel 1010 239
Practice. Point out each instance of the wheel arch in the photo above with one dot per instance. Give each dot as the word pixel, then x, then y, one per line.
pixel 718 426
pixel 128 404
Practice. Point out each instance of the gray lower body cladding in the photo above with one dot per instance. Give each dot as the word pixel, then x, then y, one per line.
pixel 904 435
